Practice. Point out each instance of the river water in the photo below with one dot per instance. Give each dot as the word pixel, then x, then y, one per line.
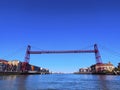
pixel 60 82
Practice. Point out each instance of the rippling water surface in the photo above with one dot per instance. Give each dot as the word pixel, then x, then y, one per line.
pixel 60 82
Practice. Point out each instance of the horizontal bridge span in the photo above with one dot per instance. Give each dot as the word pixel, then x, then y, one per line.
pixel 57 52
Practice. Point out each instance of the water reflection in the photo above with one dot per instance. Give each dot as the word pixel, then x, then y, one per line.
pixel 21 82
pixel 59 82
pixel 10 77
pixel 13 82
pixel 108 82
pixel 103 82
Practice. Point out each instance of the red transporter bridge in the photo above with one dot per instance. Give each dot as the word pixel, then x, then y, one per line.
pixel 28 52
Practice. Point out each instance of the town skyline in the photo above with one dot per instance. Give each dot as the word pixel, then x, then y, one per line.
pixel 60 25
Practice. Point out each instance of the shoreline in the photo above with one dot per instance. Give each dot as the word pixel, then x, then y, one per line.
pixel 22 73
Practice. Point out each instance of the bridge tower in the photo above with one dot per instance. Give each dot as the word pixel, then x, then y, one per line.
pixel 25 64
pixel 27 55
pixel 97 55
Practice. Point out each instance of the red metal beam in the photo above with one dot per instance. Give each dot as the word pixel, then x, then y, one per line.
pixel 62 51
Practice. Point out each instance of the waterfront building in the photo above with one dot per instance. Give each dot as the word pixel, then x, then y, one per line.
pixel 118 65
pixel 14 62
pixel 3 61
pixel 102 67
pixel 85 70
pixel 2 64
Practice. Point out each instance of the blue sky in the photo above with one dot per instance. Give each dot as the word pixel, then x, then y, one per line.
pixel 60 25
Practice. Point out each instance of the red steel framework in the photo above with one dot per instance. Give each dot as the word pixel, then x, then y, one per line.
pixel 28 52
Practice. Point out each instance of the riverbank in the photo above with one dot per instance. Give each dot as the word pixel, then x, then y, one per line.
pixel 22 73
pixel 98 73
